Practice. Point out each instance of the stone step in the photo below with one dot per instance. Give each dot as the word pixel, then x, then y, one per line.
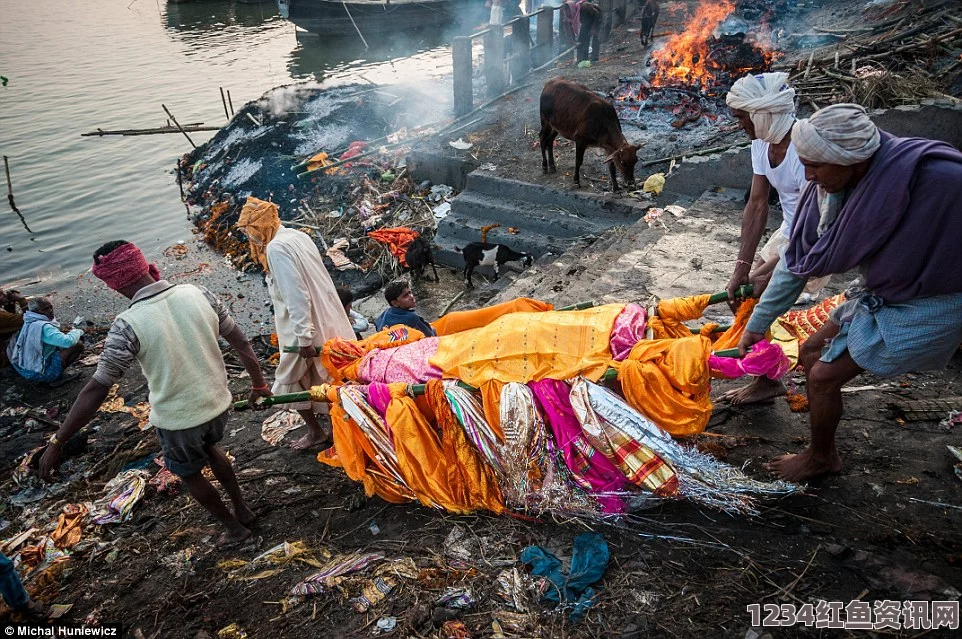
pixel 575 201
pixel 513 213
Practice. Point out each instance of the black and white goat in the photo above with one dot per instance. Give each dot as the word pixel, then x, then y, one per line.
pixel 486 254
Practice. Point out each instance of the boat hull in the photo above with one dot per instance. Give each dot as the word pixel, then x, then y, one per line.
pixel 333 18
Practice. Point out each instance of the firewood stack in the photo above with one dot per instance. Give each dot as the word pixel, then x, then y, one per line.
pixel 911 56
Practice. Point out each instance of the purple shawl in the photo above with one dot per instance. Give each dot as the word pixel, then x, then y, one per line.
pixel 902 224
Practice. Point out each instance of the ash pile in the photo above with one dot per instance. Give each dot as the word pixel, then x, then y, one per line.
pixel 332 159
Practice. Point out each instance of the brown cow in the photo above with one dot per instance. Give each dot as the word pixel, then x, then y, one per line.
pixel 580 115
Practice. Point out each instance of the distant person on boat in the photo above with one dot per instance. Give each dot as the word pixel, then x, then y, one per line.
pixel 41 351
pixel 401 310
pixel 589 31
pixel 307 311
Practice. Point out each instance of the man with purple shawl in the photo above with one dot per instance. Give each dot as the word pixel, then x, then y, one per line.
pixel 891 207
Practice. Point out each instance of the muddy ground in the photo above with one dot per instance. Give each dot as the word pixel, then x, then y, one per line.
pixel 886 527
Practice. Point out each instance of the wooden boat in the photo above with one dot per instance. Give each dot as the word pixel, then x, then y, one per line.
pixel 344 18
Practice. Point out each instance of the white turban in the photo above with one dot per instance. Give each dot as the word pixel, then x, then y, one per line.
pixel 839 134
pixel 770 103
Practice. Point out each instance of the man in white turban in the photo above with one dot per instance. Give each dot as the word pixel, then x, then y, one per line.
pixel 764 105
pixel 892 208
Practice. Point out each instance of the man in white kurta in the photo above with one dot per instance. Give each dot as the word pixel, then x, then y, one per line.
pixel 307 312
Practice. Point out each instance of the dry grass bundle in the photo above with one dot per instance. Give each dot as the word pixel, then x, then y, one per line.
pixel 876 87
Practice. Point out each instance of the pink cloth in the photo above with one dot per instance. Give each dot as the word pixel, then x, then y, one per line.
pixel 765 359
pixel 408 364
pixel 123 266
pixel 628 330
pixel 575 8
pixel 592 470
pixel 378 397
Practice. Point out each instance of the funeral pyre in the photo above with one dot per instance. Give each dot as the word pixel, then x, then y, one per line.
pixel 694 69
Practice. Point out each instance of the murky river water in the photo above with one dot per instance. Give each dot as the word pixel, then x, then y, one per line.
pixel 74 67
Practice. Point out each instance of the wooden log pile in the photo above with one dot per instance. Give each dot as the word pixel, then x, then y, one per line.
pixel 915 55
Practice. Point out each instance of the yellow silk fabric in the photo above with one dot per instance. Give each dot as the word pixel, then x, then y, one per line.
pixel 354 453
pixel 466 320
pixel 671 314
pixel 420 456
pixel 731 337
pixel 491 403
pixel 668 382
pixel 471 480
pixel 529 346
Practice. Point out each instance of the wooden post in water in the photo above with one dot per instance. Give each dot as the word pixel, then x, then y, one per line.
pixel 224 102
pixel 6 169
pixel 174 120
pixel 463 85
pixel 494 59
pixel 230 104
pixel 521 48
pixel 544 50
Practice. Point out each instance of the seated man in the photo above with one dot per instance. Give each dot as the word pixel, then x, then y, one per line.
pixel 41 351
pixel 398 294
pixel 892 207
pixel 12 307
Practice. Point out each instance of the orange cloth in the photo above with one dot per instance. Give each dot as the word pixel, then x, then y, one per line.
pixel 804 323
pixel 397 239
pixel 471 480
pixel 668 381
pixel 69 526
pixel 731 337
pixel 260 221
pixel 529 346
pixel 671 314
pixel 353 452
pixel 423 464
pixel 466 320
pixel 491 403
pixel 342 357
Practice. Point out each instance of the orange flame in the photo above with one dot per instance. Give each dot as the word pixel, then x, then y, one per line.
pixel 682 59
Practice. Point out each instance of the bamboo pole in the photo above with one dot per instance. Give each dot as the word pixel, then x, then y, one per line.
pixel 719 149
pixel 195 126
pixel 344 4
pixel 230 104
pixel 174 120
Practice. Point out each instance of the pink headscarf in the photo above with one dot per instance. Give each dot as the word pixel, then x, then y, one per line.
pixel 123 266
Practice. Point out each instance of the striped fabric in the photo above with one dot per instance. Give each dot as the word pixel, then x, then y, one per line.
pixel 355 404
pixel 891 339
pixel 338 566
pixel 640 464
pixel 470 415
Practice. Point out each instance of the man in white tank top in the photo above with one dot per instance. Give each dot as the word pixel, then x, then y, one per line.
pixel 764 105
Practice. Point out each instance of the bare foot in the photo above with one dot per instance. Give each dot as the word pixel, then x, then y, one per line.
pixel 245 516
pixel 805 465
pixel 234 535
pixel 312 440
pixel 758 390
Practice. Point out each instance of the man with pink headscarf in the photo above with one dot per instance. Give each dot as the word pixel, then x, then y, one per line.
pixel 172 331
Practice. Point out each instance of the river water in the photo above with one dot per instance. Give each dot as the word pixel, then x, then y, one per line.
pixel 74 67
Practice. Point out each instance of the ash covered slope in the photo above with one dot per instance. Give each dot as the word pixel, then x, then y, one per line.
pixel 254 155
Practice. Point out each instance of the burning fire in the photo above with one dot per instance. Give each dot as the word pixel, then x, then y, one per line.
pixel 684 58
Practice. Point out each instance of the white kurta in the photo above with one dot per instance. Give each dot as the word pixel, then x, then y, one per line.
pixel 307 311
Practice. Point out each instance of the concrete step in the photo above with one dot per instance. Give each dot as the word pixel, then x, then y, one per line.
pixel 575 201
pixel 514 213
